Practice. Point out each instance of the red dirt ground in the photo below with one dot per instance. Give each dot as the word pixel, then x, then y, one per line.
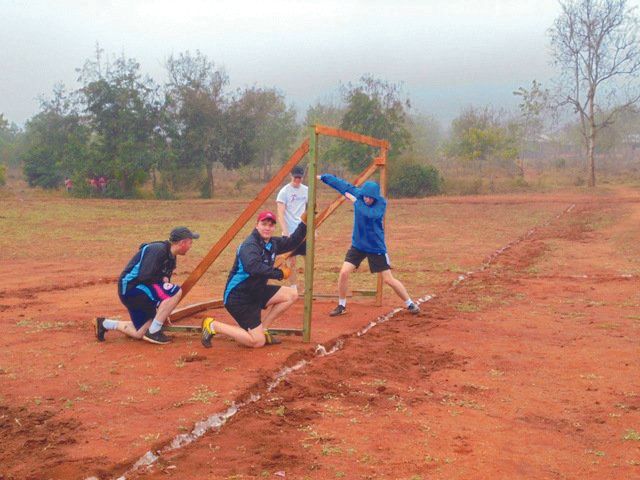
pixel 525 368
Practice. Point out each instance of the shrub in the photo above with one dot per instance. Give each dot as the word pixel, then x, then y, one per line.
pixel 3 175
pixel 412 179
pixel 162 192
pixel 462 186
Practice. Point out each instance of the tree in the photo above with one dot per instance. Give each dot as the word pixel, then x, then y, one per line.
pixel 9 140
pixel 478 136
pixel 375 108
pixel 595 46
pixel 426 133
pixel 123 111
pixel 54 142
pixel 209 126
pixel 534 107
pixel 275 124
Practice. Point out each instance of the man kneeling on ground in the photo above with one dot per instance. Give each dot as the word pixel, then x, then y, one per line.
pixel 146 290
pixel 247 297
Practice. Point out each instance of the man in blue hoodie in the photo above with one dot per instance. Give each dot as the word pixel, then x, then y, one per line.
pixel 367 240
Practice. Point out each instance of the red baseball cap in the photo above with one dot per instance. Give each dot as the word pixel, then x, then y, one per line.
pixel 267 215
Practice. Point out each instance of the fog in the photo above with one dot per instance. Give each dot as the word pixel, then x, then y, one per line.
pixel 447 54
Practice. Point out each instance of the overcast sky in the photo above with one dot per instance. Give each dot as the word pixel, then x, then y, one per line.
pixel 447 53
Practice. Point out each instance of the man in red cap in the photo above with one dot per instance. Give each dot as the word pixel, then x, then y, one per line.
pixel 247 295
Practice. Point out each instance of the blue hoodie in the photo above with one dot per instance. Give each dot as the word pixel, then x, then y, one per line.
pixel 368 232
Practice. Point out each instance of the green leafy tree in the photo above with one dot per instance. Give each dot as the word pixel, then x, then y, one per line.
pixel 374 108
pixel 11 137
pixel 54 142
pixel 479 138
pixel 408 177
pixel 123 110
pixel 329 114
pixel 208 125
pixel 275 125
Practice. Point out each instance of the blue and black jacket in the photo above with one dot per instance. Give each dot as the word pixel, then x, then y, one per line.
pixel 149 265
pixel 368 229
pixel 253 266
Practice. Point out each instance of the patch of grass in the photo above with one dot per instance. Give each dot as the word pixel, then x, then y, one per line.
pixel 279 411
pixel 608 326
pixel 631 435
pixel 150 437
pixel 467 307
pixel 329 450
pixel 203 394
pixel 378 382
pixel 36 327
pixel 597 453
pixel 153 390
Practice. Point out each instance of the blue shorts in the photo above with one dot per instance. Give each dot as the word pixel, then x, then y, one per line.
pixel 142 300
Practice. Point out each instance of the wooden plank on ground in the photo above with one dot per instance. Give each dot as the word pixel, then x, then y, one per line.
pixel 195 308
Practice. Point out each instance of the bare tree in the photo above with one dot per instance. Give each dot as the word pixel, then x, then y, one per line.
pixel 595 45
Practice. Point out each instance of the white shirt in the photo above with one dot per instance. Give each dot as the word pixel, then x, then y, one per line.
pixel 295 201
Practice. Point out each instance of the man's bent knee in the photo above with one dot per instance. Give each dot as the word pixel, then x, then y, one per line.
pixel 292 295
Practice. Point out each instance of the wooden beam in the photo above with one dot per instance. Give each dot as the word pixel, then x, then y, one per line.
pixel 244 217
pixel 383 191
pixel 183 328
pixel 311 237
pixel 286 331
pixel 362 293
pixel 195 308
pixel 351 136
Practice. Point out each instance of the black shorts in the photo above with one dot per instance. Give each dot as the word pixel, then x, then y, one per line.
pixel 378 262
pixel 300 250
pixel 143 300
pixel 245 309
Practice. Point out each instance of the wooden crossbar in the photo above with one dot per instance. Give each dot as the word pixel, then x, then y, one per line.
pixel 351 136
pixel 183 328
pixel 286 331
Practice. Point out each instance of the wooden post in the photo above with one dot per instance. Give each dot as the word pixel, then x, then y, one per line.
pixel 311 237
pixel 381 161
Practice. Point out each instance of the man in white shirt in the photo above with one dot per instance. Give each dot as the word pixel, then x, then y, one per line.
pixel 292 200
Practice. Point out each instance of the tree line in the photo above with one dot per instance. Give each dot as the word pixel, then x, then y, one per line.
pixel 123 126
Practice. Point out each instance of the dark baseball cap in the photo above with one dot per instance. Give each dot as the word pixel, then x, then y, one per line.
pixel 297 171
pixel 267 215
pixel 181 233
